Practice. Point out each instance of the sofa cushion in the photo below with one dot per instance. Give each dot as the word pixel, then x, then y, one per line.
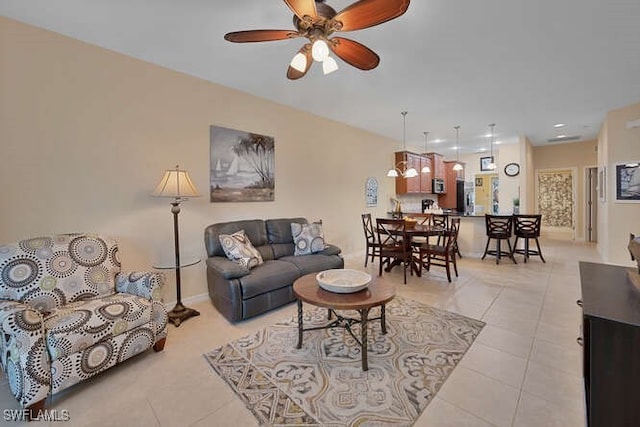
pixel 266 277
pixel 279 230
pixel 238 248
pixel 308 238
pixel 314 263
pixel 254 229
pixel 283 249
pixel 84 323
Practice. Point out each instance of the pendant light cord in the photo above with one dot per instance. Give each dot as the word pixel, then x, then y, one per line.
pixel 404 130
pixel 457 128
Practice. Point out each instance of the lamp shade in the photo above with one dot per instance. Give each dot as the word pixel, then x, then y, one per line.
pixel 176 183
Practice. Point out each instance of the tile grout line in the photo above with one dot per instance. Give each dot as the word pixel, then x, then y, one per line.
pixel 526 369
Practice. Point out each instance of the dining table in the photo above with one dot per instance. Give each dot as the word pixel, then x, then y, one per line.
pixel 411 231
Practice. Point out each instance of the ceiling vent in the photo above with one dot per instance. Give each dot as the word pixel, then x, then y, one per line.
pixel 565 138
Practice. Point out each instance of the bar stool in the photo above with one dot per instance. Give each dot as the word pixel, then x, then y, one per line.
pixel 527 227
pixel 499 227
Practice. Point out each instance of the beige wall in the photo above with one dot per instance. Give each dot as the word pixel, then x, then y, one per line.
pixel 618 144
pixel 86 134
pixel 578 155
pixel 526 179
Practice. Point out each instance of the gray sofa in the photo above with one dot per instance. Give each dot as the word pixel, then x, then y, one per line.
pixel 239 293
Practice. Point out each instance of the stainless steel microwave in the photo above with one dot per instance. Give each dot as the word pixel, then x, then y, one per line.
pixel 438 186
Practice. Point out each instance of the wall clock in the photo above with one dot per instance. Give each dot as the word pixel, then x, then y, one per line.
pixel 512 169
pixel 371 191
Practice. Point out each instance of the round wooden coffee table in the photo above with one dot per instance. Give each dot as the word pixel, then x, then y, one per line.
pixel 378 293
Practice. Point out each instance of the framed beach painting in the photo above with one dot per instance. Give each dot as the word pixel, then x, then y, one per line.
pixel 628 182
pixel 241 166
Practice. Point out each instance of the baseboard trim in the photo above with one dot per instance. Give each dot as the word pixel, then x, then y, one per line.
pixel 187 301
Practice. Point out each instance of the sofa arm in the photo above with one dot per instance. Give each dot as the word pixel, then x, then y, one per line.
pixel 330 250
pixel 144 284
pixel 227 268
pixel 24 355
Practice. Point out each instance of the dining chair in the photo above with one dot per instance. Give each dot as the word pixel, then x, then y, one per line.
pixel 527 227
pixel 438 220
pixel 372 242
pixel 442 255
pixel 499 228
pixel 395 247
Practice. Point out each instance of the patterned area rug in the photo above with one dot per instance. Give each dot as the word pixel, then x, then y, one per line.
pixel 323 383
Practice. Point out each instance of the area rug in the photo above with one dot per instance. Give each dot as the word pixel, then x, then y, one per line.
pixel 323 383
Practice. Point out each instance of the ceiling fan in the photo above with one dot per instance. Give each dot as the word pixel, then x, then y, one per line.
pixel 317 21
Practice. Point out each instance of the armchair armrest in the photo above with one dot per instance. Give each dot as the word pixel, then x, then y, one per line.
pixel 144 284
pixel 226 268
pixel 24 352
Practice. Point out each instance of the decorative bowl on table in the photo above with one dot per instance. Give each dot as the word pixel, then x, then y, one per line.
pixel 343 281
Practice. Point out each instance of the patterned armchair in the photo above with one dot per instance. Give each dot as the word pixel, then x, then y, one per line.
pixel 67 313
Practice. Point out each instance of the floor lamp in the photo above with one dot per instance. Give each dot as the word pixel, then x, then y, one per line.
pixel 177 184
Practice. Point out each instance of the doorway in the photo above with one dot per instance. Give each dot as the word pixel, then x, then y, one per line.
pixel 591 204
pixel 555 190
pixel 486 193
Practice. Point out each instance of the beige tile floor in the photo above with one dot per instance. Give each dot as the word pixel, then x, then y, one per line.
pixel 524 369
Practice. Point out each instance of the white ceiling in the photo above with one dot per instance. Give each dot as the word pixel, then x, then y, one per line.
pixel 522 64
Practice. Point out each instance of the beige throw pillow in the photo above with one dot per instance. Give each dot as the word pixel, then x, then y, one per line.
pixel 308 238
pixel 239 249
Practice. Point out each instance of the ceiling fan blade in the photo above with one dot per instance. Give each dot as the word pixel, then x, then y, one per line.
pixel 292 73
pixel 354 53
pixel 260 35
pixel 367 13
pixel 302 8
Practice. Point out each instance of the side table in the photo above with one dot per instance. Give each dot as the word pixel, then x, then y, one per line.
pixel 179 313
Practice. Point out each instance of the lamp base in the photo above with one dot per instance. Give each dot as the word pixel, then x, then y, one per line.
pixel 180 313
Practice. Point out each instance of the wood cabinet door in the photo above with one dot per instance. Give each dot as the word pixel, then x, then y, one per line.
pixel 413 184
pixel 425 178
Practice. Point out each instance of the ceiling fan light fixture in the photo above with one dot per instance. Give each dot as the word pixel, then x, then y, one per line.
pixel 320 50
pixel 393 173
pixel 299 62
pixel 329 65
pixel 458 167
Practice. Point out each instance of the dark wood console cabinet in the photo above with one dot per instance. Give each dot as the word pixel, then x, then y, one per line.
pixel 611 340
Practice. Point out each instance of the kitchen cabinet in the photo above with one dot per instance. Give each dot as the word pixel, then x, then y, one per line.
pixel 420 184
pixel 611 345
pixel 437 165
pixel 449 199
pixel 425 178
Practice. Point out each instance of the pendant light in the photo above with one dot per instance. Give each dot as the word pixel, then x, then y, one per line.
pixel 426 168
pixel 408 172
pixel 492 165
pixel 457 166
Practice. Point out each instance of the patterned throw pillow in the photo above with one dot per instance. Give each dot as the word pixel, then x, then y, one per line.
pixel 308 238
pixel 239 249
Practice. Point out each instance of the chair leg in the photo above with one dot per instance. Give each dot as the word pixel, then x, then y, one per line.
pixel 34 409
pixel 448 271
pixel 511 252
pixel 498 250
pixel 366 256
pixel 540 251
pixel 455 265
pixel 526 249
pixel 159 345
pixel 486 248
pixel 404 269
pixel 515 246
